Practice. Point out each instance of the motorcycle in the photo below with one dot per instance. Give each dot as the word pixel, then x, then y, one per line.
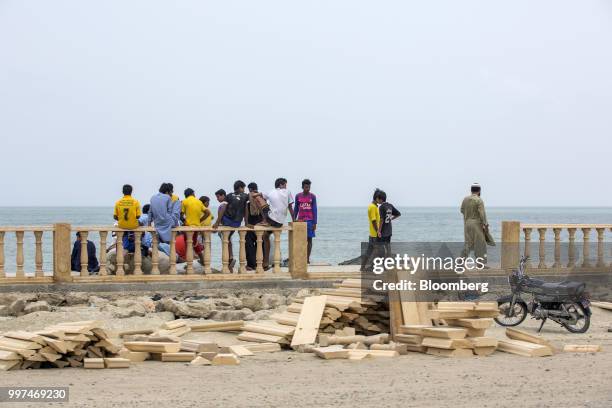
pixel 565 303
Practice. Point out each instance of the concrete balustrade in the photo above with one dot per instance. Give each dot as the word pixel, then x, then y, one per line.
pixel 513 233
pixel 130 266
pixel 20 234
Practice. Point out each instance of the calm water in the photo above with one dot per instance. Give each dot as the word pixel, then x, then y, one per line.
pixel 339 233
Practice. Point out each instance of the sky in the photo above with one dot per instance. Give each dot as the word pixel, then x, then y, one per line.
pixel 419 98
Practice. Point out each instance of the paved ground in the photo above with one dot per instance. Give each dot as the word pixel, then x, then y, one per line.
pixel 293 379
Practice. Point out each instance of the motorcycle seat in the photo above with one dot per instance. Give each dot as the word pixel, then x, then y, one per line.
pixel 565 287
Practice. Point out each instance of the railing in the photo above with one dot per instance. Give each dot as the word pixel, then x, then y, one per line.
pixel 517 239
pixel 20 234
pixel 64 235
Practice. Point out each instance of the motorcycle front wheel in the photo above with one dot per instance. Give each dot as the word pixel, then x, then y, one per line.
pixel 580 318
pixel 511 317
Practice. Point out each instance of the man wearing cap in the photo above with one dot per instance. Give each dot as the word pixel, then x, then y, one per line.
pixel 475 224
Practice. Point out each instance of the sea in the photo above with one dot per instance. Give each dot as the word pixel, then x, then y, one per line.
pixel 340 230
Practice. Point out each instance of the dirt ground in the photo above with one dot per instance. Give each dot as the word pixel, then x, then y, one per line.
pixel 293 379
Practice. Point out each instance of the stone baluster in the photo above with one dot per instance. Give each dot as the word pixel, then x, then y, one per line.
pixel 189 252
pixel 120 271
pixel 557 232
pixel 38 258
pixel 586 248
pixel 103 236
pixel 527 232
pixel 84 254
pixel 259 254
pixel 2 273
pixel 571 249
pixel 19 257
pixel 542 249
pixel 137 253
pixel 207 269
pixel 173 253
pixel 277 250
pixel 243 260
pixel 154 254
pixel 600 247
pixel 225 252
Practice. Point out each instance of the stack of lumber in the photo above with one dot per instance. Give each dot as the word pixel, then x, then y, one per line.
pixel 525 344
pixel 461 333
pixel 58 346
pixel 344 307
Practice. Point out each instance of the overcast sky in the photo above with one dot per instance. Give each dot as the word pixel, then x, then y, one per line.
pixel 419 98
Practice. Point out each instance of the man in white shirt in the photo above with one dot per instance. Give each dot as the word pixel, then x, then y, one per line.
pixel 281 201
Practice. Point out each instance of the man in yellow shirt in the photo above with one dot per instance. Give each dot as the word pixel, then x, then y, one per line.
pixel 127 212
pixel 208 217
pixel 373 222
pixel 194 212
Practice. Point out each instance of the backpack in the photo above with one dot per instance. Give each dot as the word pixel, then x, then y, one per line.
pixel 235 206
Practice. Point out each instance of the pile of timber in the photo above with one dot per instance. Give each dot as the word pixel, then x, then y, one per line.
pixel 461 331
pixel 62 345
pixel 343 307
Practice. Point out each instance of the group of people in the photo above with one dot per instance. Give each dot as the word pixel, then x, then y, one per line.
pixel 166 211
pixel 381 214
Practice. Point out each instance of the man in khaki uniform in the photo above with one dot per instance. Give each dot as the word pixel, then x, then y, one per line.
pixel 475 224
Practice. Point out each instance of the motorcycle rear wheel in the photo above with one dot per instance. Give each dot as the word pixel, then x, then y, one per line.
pixel 504 318
pixel 584 320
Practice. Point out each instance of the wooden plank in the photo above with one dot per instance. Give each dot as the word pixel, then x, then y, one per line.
pixel 200 361
pixel 603 305
pixel 439 343
pixel 27 336
pixel 235 325
pixel 134 356
pixel 410 309
pixel 174 324
pixel 409 339
pixel 116 362
pixel 471 323
pixel 416 329
pixel 22 352
pixel 524 348
pixel 152 347
pixel 286 318
pixel 309 320
pixel 240 351
pixel 582 348
pixel 262 338
pixel 449 352
pixel 445 332
pixel 225 359
pixel 483 341
pixel 272 328
pixel 331 352
pixel 516 334
pixel 263 347
pixel 484 351
pixel 178 357
pixel 136 332
pixel 374 353
pixel 9 355
pixel 19 344
pixel 198 346
pixel 456 305
pixel 6 365
pixel 93 363
pixel 450 314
